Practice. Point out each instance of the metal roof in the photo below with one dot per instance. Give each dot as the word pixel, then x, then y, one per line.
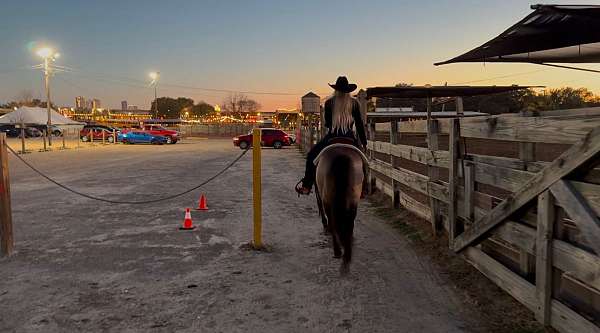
pixel 439 91
pixel 552 33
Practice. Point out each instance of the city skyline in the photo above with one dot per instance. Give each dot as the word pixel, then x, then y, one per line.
pixel 268 46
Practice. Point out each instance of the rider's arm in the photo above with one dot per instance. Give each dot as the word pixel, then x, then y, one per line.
pixel 358 122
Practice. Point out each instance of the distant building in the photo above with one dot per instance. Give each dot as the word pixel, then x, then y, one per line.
pixel 80 102
pixel 132 107
pixel 96 104
pixel 311 103
pixel 123 105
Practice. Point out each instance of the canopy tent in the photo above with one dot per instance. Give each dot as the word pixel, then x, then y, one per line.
pixel 36 116
pixel 551 34
pixel 438 91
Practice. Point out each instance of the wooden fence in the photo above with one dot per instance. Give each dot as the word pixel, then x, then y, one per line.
pixel 307 137
pixel 517 195
pixel 224 129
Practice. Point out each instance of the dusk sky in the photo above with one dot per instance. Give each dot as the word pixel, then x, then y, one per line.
pixel 271 46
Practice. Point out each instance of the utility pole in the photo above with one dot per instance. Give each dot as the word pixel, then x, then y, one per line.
pixel 48 55
pixel 48 108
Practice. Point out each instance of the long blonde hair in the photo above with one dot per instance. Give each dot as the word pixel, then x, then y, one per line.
pixel 341 117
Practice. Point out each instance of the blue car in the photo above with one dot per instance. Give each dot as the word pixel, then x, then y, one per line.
pixel 141 137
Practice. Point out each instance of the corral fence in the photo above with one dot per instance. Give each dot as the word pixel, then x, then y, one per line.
pixel 518 196
pixel 307 137
pixel 221 129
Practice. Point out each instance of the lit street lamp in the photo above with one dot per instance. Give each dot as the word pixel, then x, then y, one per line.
pixel 155 76
pixel 49 55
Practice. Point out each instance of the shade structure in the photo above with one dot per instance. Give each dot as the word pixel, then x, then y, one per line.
pixel 439 91
pixel 36 116
pixel 551 34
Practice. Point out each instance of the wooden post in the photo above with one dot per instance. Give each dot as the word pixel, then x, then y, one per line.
pixel 64 144
pixel 395 185
pixel 256 139
pixel 22 137
pixel 103 137
pixel 433 172
pixel 91 136
pixel 363 103
pixel 6 232
pixel 453 179
pixel 371 136
pixel 469 175
pixel 543 249
pixel 460 112
pixel 114 134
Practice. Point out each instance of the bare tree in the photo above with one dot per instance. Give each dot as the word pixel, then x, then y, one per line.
pixel 25 97
pixel 237 104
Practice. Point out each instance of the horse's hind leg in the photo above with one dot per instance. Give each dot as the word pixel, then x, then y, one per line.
pixel 321 211
pixel 337 250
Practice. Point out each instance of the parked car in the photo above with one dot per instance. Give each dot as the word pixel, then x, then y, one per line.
pixel 270 137
pixel 54 130
pixel 31 132
pixel 10 130
pixel 171 135
pixel 132 137
pixel 88 132
pixel 292 137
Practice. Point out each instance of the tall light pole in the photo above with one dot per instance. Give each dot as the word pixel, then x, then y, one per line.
pixel 155 76
pixel 49 55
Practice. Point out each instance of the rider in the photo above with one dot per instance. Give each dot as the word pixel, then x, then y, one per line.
pixel 342 111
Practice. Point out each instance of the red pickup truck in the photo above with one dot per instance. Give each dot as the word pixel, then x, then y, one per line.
pixel 157 130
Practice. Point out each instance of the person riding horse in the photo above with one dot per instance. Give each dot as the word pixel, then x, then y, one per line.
pixel 342 112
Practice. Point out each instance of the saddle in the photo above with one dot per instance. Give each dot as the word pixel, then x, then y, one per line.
pixel 339 142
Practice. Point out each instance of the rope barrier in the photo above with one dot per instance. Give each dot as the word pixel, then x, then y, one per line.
pixel 88 196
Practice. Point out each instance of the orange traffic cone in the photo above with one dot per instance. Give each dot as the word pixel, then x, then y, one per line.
pixel 202 203
pixel 187 223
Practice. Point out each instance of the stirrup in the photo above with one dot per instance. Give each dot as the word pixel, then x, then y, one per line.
pixel 299 188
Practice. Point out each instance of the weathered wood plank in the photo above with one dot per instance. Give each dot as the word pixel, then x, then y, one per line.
pixel 525 129
pixel 579 211
pixel 517 287
pixel 543 264
pixel 577 262
pixel 422 155
pixel 569 321
pixel 413 180
pixel 566 163
pixel 508 179
pixel 591 194
pixel 469 175
pixel 433 172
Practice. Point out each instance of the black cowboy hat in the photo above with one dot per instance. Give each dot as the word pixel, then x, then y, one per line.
pixel 341 84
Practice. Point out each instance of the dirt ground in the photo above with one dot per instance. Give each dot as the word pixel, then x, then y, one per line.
pixel 83 265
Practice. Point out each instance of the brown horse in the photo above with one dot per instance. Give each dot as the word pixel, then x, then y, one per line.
pixel 339 181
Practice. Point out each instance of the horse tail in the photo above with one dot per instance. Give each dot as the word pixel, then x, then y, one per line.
pixel 343 208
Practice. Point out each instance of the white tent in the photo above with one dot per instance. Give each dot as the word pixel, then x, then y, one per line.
pixel 36 116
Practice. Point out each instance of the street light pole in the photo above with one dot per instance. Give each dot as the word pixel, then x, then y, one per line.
pixel 155 102
pixel 49 55
pixel 154 76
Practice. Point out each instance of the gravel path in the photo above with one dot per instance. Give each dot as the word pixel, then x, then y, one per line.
pixel 88 266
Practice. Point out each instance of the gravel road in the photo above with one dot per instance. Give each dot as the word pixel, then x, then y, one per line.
pixel 82 265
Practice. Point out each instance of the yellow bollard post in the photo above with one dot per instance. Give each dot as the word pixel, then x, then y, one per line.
pixel 256 188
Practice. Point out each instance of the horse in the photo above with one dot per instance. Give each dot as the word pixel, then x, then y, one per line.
pixel 339 181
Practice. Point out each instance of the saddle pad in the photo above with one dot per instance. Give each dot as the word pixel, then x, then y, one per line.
pixel 335 145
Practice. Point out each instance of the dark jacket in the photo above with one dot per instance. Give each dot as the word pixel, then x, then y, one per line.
pixel 358 122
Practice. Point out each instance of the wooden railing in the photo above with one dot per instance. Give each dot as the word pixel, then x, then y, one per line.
pixel 309 136
pixel 517 195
